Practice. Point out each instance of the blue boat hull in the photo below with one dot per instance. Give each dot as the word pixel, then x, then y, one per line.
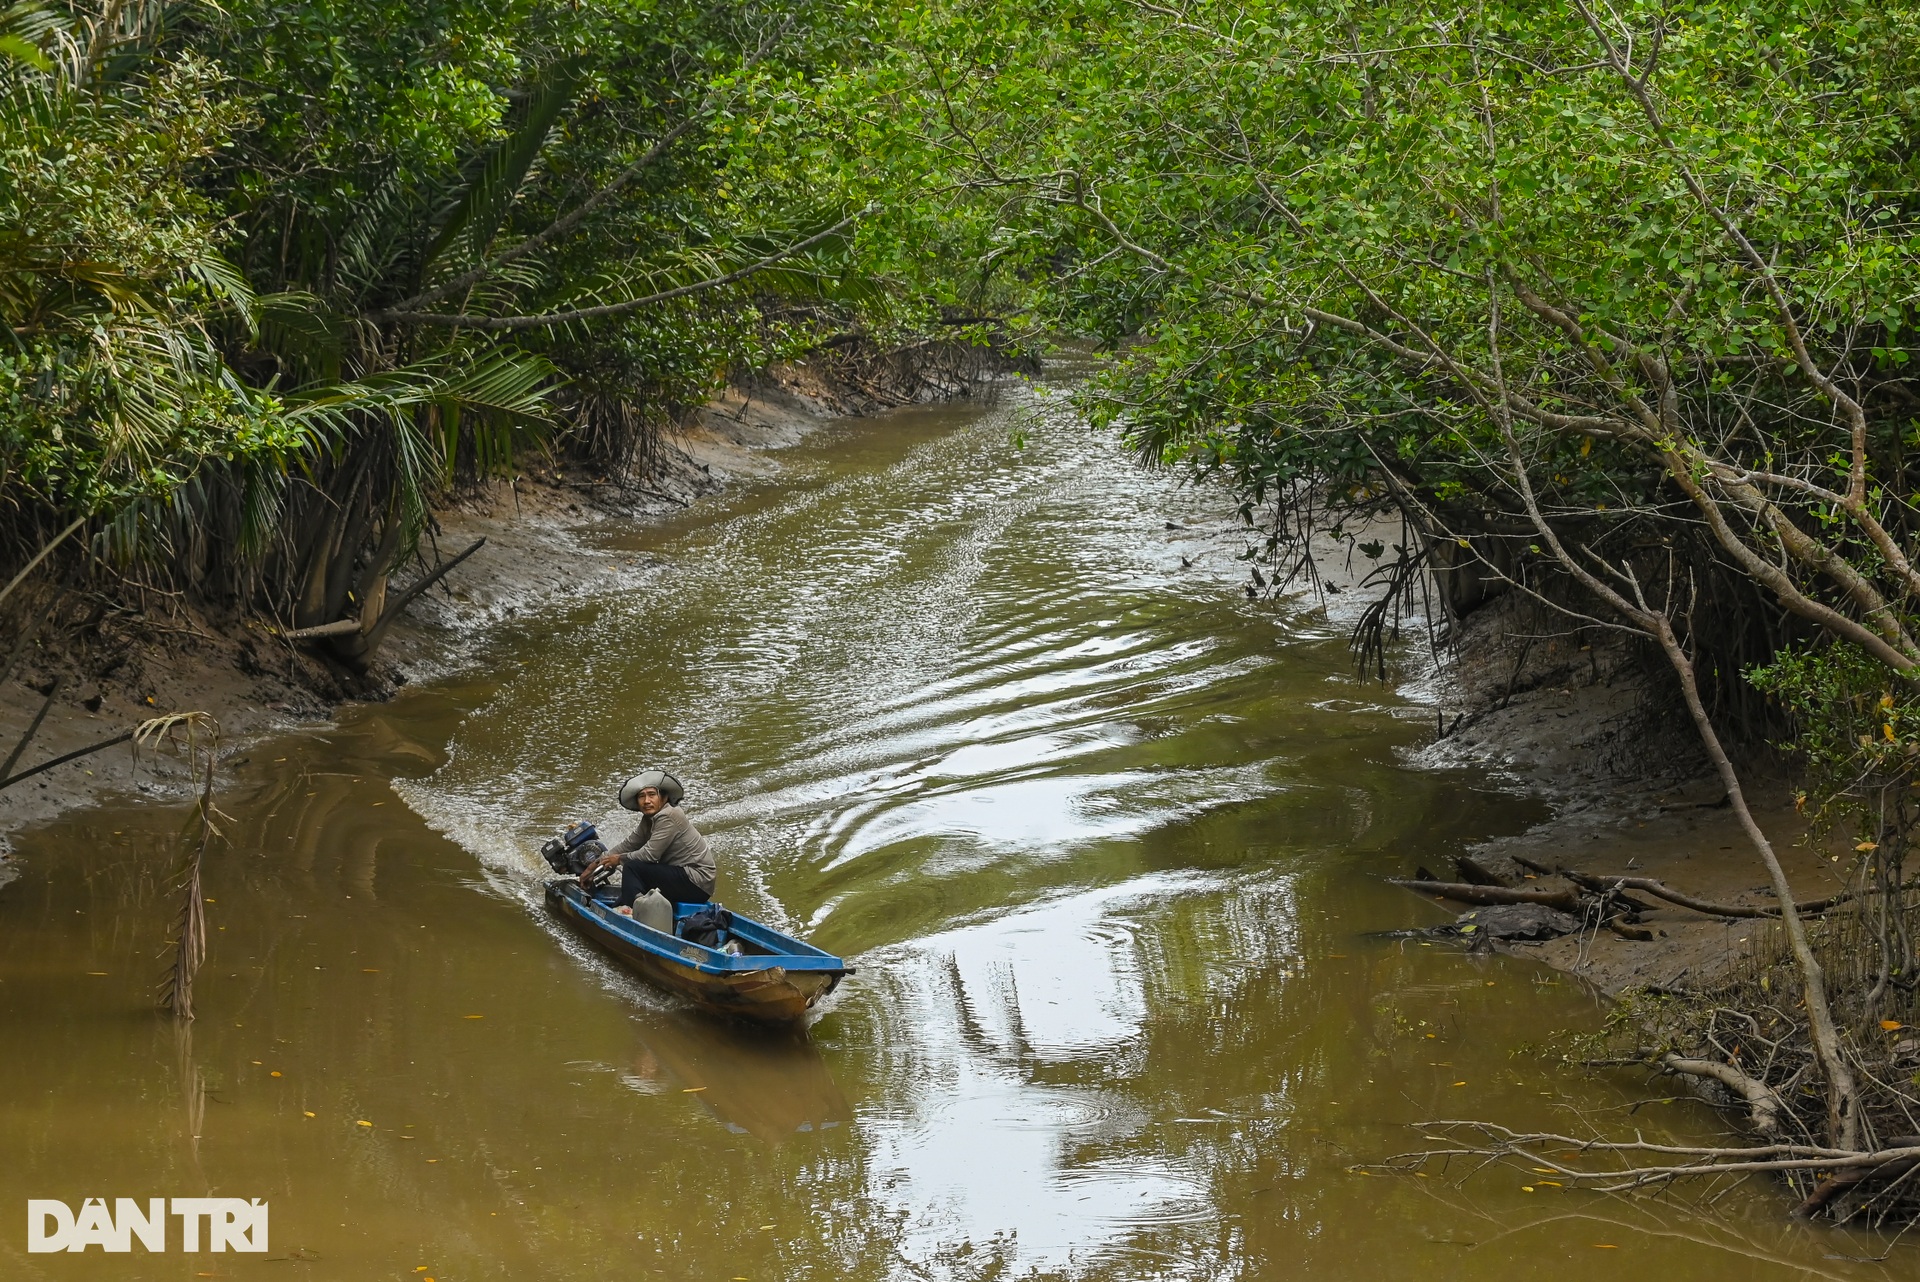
pixel 775 981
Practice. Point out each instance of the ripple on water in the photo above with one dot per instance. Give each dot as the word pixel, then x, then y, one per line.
pixel 1093 828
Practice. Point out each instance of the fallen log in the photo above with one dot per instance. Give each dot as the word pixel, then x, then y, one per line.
pixel 1467 893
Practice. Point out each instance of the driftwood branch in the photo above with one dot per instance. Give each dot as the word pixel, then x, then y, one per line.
pixel 338 628
pixel 64 758
pixel 33 728
pixel 1840 1181
pixel 1569 900
pixel 1660 890
pixel 1683 1160
pixel 189 940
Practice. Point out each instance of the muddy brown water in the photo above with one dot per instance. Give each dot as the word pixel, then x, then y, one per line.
pixel 1103 837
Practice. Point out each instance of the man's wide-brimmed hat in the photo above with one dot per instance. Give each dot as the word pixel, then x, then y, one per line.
pixel 668 785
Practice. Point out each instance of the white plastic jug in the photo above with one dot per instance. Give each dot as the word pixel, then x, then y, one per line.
pixel 652 909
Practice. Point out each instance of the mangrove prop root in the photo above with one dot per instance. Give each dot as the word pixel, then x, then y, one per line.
pixel 40 556
pixel 357 645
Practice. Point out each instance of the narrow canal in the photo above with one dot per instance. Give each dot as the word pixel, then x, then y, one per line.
pixel 1103 837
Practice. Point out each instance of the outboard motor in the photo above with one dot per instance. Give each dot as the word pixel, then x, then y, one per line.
pixel 576 847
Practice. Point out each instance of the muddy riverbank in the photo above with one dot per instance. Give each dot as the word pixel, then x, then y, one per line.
pixel 134 654
pixel 1589 720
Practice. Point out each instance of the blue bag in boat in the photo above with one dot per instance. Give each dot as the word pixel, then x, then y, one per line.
pixel 708 927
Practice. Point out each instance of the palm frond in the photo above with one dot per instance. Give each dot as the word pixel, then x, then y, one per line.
pixel 227 284
pixel 372 246
pixel 495 178
pixel 32 35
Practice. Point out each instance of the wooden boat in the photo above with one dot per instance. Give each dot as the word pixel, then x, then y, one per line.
pixel 774 978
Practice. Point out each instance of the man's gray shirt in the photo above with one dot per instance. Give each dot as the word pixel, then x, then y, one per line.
pixel 669 837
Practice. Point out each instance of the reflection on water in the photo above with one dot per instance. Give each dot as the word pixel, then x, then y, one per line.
pixel 1103 838
pixel 1021 999
pixel 773 1086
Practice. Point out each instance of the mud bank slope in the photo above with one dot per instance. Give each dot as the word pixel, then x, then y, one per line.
pixel 120 661
pixel 1586 719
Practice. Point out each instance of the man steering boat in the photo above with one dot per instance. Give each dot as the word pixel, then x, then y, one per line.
pixel 666 852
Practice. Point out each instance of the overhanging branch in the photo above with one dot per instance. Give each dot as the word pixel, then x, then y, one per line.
pixel 549 319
